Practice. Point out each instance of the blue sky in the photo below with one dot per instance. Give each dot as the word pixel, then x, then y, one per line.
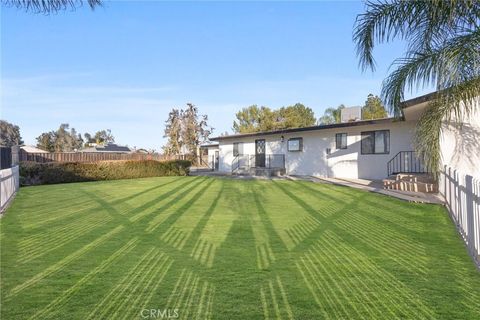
pixel 126 65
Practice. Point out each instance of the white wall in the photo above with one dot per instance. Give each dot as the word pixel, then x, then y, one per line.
pixel 460 178
pixel 460 144
pixel 313 160
pixel 211 156
pixel 9 184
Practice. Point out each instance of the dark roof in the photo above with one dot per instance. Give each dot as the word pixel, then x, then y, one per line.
pixel 113 148
pixel 212 144
pixel 312 128
pixel 405 104
pixel 426 97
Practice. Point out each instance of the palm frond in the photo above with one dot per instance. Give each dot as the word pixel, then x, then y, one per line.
pixel 449 66
pixel 49 6
pixel 420 23
pixel 450 105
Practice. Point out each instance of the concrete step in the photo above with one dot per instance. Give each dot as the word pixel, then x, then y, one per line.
pixel 414 177
pixel 411 186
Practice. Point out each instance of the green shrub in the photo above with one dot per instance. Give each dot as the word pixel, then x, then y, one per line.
pixel 32 173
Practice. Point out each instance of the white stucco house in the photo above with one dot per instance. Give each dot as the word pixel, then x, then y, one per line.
pixel 362 149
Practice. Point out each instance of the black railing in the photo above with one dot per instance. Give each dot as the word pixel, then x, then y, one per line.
pixel 406 162
pixel 268 161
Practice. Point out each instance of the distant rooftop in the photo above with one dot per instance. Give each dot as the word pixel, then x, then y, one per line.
pixel 33 149
pixel 111 147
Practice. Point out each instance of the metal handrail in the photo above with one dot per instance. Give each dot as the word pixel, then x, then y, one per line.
pixel 406 162
pixel 271 161
pixel 235 159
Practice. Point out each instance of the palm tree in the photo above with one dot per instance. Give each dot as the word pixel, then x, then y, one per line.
pixel 49 6
pixel 443 50
pixel 331 115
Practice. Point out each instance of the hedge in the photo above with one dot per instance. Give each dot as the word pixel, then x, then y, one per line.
pixel 32 173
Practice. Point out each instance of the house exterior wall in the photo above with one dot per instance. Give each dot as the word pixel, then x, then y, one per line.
pixel 459 181
pixel 211 156
pixel 460 144
pixel 313 160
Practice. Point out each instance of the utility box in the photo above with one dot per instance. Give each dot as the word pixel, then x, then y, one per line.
pixel 351 114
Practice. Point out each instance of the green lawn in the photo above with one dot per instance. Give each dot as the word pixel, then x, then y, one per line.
pixel 230 249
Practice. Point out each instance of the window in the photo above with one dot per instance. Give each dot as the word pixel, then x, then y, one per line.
pixel 237 148
pixel 295 144
pixel 376 142
pixel 341 140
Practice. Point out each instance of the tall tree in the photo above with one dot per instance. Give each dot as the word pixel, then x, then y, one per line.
pixel 256 119
pixel 195 129
pixel 9 134
pixel 373 108
pixel 331 115
pixel 296 116
pixel 173 132
pixel 185 130
pixel 443 50
pixel 49 6
pixel 46 141
pixel 104 137
pixel 62 140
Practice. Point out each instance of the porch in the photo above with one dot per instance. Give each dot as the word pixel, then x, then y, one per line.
pixel 259 164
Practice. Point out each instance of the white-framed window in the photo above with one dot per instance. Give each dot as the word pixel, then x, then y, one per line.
pixel 295 144
pixel 341 141
pixel 375 142
pixel 237 148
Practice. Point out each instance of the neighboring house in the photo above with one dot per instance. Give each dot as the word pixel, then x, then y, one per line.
pixel 32 149
pixel 111 148
pixel 364 149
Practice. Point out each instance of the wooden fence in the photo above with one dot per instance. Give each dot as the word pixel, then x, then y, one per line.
pixel 462 197
pixel 93 157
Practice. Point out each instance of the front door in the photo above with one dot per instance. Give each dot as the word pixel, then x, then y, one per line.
pixel 260 153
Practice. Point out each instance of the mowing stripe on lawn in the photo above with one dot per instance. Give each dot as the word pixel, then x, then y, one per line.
pixel 192 295
pixel 168 213
pixel 140 282
pixel 68 212
pixel 152 206
pixel 164 268
pixel 273 296
pixel 53 239
pixel 179 232
pixel 377 287
pixel 395 246
pixel 65 261
pixel 67 295
pixel 114 297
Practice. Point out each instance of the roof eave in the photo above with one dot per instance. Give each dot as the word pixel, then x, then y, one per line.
pixel 312 128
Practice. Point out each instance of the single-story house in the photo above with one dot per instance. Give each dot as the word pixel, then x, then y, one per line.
pixel 111 148
pixel 362 149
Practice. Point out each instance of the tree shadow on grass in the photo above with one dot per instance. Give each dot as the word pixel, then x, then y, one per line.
pixel 136 213
pixel 197 231
pixel 135 195
pixel 162 225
